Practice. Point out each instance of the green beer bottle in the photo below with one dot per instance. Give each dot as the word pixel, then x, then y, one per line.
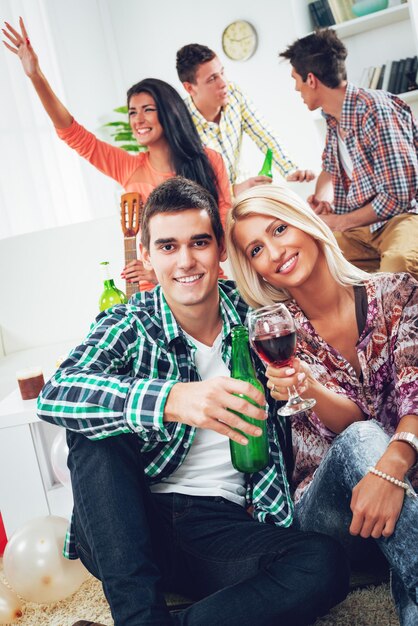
pixel 255 455
pixel 266 169
pixel 111 295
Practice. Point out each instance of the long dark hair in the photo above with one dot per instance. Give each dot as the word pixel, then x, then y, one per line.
pixel 187 153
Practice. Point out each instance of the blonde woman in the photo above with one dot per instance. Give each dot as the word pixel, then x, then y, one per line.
pixel 357 339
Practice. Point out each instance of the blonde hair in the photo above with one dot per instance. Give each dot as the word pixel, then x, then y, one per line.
pixel 282 203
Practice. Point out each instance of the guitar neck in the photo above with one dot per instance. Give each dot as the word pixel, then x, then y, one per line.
pixel 130 255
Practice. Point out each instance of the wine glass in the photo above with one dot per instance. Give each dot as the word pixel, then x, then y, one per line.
pixel 273 336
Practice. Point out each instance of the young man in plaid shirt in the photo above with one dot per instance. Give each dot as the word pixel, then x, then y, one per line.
pixel 146 400
pixel 368 188
pixel 222 113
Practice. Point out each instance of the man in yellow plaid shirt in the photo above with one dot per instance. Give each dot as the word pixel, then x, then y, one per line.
pixel 222 113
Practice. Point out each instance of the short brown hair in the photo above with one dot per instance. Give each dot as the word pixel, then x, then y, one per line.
pixel 188 60
pixel 180 194
pixel 321 53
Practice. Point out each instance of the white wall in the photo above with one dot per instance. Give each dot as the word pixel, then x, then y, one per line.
pixel 99 48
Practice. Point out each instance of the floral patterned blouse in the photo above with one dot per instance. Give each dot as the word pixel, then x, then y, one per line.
pixel 387 388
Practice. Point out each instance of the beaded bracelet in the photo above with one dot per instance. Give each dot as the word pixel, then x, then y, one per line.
pixel 399 483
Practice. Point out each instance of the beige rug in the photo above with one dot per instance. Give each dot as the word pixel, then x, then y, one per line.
pixel 363 607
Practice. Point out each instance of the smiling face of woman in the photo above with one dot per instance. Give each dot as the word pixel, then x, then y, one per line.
pixel 144 121
pixel 281 254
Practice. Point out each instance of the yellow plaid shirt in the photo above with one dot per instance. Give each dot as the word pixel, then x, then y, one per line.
pixel 238 116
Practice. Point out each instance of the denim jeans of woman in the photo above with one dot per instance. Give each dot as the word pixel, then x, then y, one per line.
pixel 240 571
pixel 325 507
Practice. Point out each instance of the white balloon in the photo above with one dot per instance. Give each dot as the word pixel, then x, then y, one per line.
pixel 34 565
pixel 10 607
pixel 59 455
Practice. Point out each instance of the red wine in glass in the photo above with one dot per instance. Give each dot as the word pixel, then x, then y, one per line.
pixel 276 349
pixel 273 337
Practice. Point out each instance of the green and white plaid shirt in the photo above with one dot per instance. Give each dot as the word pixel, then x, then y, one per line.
pixel 238 116
pixel 117 381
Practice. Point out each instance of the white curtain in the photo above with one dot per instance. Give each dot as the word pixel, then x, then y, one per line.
pixel 43 184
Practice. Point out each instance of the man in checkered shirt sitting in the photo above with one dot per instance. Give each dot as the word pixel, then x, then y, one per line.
pixel 368 188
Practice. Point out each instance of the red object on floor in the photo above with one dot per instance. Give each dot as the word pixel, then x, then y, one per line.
pixel 3 538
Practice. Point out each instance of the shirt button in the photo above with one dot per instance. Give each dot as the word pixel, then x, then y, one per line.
pixel 186 444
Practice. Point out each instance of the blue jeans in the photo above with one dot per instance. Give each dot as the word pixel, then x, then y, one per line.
pixel 241 572
pixel 325 507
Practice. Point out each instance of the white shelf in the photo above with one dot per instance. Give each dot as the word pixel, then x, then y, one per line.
pixel 372 21
pixel 409 96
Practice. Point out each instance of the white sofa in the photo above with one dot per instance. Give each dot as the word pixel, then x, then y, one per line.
pixel 50 285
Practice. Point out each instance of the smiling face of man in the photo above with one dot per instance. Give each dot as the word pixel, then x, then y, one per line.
pixel 185 256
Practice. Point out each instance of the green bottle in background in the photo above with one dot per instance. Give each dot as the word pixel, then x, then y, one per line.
pixel 111 295
pixel 268 161
pixel 255 455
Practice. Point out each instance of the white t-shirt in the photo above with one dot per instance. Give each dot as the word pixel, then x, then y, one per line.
pixel 345 158
pixel 207 469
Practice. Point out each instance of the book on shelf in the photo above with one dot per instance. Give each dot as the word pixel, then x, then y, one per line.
pixel 399 75
pixel 386 77
pixel 321 13
pixel 342 10
pixel 392 77
pixel 408 76
pixel 330 12
pixel 396 76
pixel 375 77
pixel 381 77
pixel 316 19
pixel 413 78
pixel 337 11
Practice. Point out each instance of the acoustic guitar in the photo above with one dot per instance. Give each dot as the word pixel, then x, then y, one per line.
pixel 131 207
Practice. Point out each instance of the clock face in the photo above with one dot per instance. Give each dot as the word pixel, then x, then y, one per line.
pixel 239 40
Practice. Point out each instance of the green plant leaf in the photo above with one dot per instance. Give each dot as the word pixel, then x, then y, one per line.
pixel 123 133
pixel 121 124
pixel 130 147
pixel 123 137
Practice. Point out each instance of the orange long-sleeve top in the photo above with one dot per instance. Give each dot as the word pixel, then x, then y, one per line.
pixel 134 172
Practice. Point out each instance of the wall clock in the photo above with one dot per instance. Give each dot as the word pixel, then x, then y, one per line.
pixel 239 40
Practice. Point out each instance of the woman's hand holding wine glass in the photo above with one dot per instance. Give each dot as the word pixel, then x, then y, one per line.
pixel 273 337
pixel 280 379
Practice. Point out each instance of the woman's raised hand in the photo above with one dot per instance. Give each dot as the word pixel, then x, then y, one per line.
pixel 21 46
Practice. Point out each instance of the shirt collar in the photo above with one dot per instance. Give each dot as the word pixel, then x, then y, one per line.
pixel 196 114
pixel 348 109
pixel 172 329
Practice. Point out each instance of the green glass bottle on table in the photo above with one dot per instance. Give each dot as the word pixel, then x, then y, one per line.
pixel 255 455
pixel 111 294
pixel 268 162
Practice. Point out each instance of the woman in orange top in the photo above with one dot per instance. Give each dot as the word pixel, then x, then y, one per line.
pixel 159 120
